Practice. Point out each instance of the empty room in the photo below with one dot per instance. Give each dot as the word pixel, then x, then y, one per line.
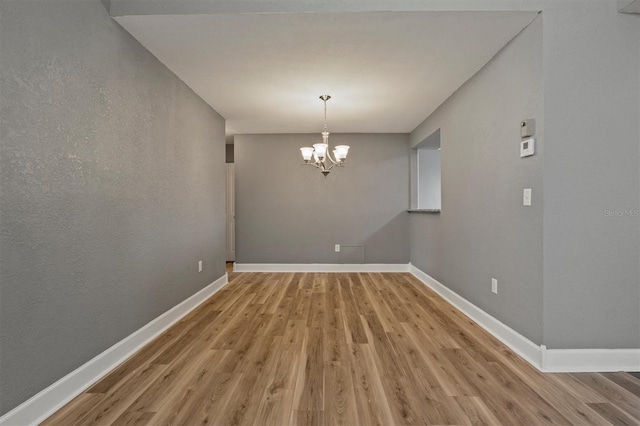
pixel 362 212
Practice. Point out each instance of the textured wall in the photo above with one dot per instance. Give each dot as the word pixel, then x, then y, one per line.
pixel 484 231
pixel 592 177
pixel 289 213
pixel 112 189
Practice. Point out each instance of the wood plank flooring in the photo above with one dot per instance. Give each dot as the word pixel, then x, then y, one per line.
pixel 340 349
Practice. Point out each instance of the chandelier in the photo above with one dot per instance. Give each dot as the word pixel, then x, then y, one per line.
pixel 319 155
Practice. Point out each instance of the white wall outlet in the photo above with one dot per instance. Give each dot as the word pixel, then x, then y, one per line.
pixel 494 286
pixel 337 248
pixel 526 197
pixel 199 265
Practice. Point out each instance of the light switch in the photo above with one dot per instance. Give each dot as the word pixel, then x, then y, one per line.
pixel 526 197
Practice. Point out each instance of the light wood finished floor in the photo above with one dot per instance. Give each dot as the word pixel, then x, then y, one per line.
pixel 332 349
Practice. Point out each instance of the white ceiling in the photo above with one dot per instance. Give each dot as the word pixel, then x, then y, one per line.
pixel 385 71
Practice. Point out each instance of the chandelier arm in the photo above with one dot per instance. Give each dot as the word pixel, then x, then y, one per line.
pixel 335 163
pixel 311 164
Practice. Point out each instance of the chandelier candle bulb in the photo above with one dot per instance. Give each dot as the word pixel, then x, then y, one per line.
pixel 307 153
pixel 321 149
pixel 341 151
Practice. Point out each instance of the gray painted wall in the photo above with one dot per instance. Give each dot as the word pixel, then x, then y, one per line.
pixel 112 188
pixel 592 165
pixel 484 231
pixel 590 294
pixel 429 189
pixel 289 213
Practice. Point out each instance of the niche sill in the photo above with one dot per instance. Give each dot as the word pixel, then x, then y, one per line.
pixel 432 211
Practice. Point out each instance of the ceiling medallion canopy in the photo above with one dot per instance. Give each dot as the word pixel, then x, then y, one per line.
pixel 320 155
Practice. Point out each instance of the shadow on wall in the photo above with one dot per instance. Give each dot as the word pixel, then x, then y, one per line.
pixel 395 233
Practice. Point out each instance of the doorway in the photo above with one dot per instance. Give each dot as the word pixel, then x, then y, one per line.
pixel 231 214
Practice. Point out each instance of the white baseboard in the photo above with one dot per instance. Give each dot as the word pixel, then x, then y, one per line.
pixel 545 360
pixel 51 399
pixel 590 360
pixel 514 340
pixel 320 267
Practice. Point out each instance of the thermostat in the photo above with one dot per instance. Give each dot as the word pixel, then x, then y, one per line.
pixel 527 128
pixel 527 147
